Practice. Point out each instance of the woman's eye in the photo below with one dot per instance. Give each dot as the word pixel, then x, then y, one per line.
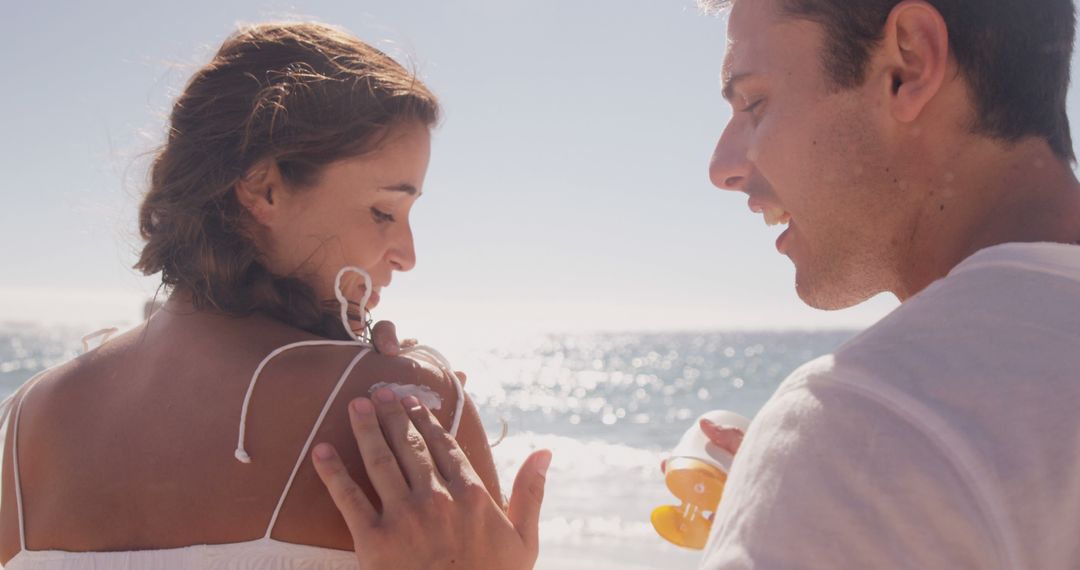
pixel 381 216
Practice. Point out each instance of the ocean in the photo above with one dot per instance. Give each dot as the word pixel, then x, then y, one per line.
pixel 608 405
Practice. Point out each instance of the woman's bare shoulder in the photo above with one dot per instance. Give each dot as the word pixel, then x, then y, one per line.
pixel 306 514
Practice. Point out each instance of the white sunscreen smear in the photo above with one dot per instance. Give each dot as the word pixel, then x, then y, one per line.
pixel 428 397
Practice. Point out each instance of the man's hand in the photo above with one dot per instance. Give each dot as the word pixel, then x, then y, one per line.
pixel 436 512
pixel 727 438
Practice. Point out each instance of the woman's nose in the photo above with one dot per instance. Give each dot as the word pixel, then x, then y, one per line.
pixel 402 253
pixel 730 166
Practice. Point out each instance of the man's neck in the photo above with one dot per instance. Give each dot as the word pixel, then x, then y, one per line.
pixel 1020 194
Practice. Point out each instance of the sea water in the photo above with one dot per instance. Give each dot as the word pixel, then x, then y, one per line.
pixel 610 406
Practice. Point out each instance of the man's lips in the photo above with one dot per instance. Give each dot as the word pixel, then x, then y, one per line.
pixel 782 242
pixel 774 215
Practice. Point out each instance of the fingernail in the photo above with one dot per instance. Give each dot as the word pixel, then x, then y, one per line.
pixel 410 402
pixel 543 461
pixel 385 395
pixel 715 425
pixel 362 406
pixel 324 451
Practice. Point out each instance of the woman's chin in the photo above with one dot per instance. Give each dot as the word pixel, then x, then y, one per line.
pixel 373 301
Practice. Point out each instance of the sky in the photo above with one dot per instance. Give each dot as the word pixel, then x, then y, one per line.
pixel 568 187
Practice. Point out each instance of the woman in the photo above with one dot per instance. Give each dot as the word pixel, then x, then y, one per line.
pixel 296 152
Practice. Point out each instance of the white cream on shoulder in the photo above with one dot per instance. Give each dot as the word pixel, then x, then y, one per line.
pixel 428 397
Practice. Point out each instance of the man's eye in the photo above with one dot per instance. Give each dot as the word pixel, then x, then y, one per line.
pixel 381 216
pixel 754 106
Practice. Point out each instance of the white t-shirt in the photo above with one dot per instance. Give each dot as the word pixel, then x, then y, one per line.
pixel 945 436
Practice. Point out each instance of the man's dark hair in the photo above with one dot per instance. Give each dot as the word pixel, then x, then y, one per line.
pixel 1015 55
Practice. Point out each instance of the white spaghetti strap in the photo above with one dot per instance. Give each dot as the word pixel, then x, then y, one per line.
pixel 241 453
pixel 447 370
pixel 311 437
pixel 15 448
pixel 106 333
pixel 5 413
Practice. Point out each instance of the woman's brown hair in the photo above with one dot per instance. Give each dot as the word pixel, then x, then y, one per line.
pixel 304 95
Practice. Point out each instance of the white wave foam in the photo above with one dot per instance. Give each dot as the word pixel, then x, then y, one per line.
pixel 597 503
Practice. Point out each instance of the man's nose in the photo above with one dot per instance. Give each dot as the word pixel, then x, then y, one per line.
pixel 730 166
pixel 402 253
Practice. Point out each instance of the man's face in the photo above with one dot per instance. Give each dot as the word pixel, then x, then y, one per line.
pixel 810 155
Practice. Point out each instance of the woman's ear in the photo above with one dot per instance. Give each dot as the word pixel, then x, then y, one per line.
pixel 259 191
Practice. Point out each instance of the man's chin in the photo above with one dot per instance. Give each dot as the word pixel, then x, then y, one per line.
pixel 830 296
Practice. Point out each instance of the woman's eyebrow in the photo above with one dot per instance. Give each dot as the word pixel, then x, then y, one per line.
pixel 406 188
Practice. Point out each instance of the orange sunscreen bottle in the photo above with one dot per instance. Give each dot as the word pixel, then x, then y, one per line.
pixel 695 473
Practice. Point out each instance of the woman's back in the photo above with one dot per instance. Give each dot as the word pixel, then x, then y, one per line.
pixel 131 446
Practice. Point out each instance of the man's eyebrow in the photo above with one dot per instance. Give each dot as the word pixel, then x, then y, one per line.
pixel 729 84
pixel 406 188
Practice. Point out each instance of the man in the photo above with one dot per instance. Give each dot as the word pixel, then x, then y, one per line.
pixel 919 147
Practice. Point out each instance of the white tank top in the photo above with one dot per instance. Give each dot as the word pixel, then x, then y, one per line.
pixel 263 553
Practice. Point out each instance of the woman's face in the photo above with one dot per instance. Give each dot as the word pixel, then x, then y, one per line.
pixel 356 214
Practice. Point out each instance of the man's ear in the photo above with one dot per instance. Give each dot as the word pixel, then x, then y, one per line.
pixel 915 56
pixel 259 191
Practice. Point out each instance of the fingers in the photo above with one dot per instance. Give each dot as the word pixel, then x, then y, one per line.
pixel 461 377
pixel 450 460
pixel 384 337
pixel 347 495
pixel 728 439
pixel 379 461
pixel 527 496
pixel 405 440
